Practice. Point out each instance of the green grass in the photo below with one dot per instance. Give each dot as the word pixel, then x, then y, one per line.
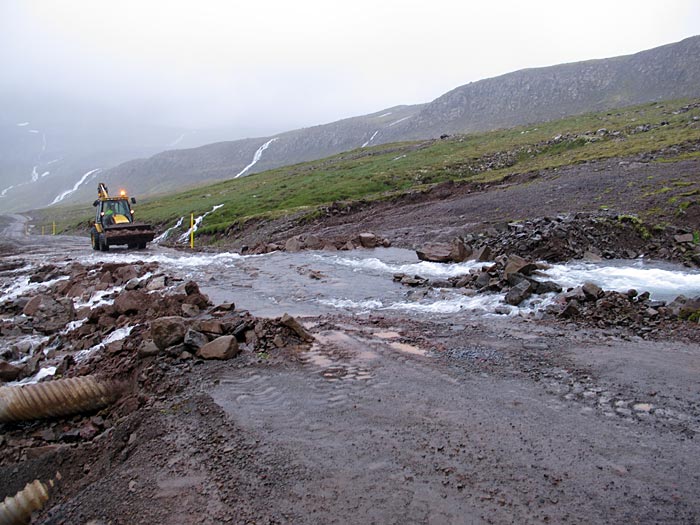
pixel 384 171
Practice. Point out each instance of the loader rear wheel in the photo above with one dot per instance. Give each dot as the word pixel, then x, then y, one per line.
pixel 95 240
pixel 103 243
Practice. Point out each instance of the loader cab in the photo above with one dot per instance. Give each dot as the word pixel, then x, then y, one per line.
pixel 113 211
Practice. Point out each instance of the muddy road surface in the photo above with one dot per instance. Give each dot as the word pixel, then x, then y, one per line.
pixel 389 416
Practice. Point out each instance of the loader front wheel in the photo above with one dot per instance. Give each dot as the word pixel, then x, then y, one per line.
pixel 95 240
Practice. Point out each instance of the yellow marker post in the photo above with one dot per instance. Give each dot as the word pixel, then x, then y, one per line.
pixel 192 231
pixel 42 230
pixel 54 228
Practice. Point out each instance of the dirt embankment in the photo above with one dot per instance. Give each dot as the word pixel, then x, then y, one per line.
pixel 662 196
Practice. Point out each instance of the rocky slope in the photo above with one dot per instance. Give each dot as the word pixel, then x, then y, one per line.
pixel 522 97
pixel 541 94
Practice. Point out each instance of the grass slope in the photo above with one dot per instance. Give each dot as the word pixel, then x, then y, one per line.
pixel 382 171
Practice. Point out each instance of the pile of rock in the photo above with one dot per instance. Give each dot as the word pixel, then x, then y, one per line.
pixel 585 236
pixel 309 241
pixel 590 305
pixel 157 315
pixel 513 275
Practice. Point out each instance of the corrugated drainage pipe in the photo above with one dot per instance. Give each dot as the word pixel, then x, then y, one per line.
pixel 17 509
pixel 61 397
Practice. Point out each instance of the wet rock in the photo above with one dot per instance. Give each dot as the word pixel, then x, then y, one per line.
pixel 211 326
pixel 126 273
pixel 157 282
pixel 368 240
pixel 312 242
pixel 294 244
pixel 517 264
pixel 32 307
pixel 48 314
pixel 190 310
pixel 435 252
pixel 8 372
pixel 224 347
pixel 131 302
pixel 570 310
pixel 518 293
pixel 195 340
pixel 132 284
pixel 444 252
pixel 168 331
pixel 592 291
pixel 482 254
pixel 294 325
pixel 544 287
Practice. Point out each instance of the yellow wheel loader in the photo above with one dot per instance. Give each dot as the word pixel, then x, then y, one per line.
pixel 114 222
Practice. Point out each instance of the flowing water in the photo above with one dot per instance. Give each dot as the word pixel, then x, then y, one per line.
pixel 314 283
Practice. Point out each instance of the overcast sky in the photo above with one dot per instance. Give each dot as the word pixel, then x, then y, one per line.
pixel 275 65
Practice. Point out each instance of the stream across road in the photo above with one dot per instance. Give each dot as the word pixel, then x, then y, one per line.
pixel 411 406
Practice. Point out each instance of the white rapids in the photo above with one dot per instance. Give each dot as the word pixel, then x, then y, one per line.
pixel 313 283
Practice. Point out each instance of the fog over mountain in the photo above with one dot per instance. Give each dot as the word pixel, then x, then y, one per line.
pixel 87 86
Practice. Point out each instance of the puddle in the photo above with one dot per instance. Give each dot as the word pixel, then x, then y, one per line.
pixel 387 335
pixel 409 349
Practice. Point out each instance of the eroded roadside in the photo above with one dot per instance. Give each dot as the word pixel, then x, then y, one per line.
pixel 382 418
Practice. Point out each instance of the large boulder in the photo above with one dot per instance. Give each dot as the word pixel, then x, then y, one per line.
pixel 368 240
pixel 8 372
pixel 224 347
pixel 518 293
pixel 132 301
pixel 517 264
pixel 294 244
pixel 168 331
pixel 442 252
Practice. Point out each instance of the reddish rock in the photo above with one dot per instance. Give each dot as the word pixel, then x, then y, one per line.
pixel 8 372
pixel 32 307
pixel 168 331
pixel 211 326
pixel 368 240
pixel 294 325
pixel 132 301
pixel 435 252
pixel 293 244
pixel 224 347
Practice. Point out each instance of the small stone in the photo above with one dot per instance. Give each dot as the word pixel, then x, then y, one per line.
pixel 156 283
pixel 148 348
pixel 683 238
pixel 194 339
pixel 642 407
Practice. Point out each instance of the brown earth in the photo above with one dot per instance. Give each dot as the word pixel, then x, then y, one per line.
pixel 382 418
pixel 632 185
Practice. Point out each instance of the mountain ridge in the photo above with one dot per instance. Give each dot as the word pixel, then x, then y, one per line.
pixel 518 98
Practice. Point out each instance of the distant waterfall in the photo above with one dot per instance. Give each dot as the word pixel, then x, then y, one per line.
pixel 256 157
